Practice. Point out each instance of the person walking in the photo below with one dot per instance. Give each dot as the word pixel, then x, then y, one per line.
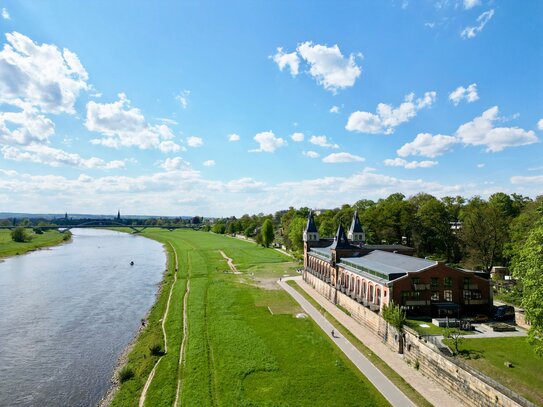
pixel 333 334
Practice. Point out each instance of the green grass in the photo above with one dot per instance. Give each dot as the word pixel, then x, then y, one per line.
pixel 394 377
pixel 488 355
pixel 431 329
pixel 238 353
pixel 10 248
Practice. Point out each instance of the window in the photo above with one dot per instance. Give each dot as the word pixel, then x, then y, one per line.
pixel 447 295
pixel 415 280
pixel 434 282
pixel 467 295
pixel 435 296
pixel 466 282
pixel 447 282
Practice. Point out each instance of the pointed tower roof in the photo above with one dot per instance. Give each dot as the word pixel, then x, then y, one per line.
pixel 311 223
pixel 340 240
pixel 356 227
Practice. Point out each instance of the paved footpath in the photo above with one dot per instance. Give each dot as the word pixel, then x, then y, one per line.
pixel 430 390
pixel 374 375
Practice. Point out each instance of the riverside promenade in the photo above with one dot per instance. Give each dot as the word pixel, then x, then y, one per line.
pixel 431 391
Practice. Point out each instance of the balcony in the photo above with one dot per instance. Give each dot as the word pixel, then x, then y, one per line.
pixel 475 302
pixel 421 287
pixel 471 286
pixel 416 302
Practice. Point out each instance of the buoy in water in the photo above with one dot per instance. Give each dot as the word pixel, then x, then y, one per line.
pixel 131 263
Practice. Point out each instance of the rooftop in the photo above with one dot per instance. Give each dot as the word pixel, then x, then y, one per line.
pixel 386 263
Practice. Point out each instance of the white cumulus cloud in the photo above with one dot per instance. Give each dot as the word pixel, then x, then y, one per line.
pixel 468 4
pixel 400 162
pixel 311 154
pixel 540 124
pixel 335 158
pixel 5 14
pixel 322 141
pixel 25 127
pixel 481 131
pixel 471 31
pixel 183 98
pixel 125 126
pixel 268 142
pixel 174 164
pixel 194 141
pixel 284 60
pixel 233 137
pixel 209 163
pixel 42 75
pixel 468 94
pixel 387 118
pixel 427 145
pixel 297 137
pixel 334 109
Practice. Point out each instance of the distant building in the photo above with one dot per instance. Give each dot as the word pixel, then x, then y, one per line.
pixel 375 275
pixel 118 214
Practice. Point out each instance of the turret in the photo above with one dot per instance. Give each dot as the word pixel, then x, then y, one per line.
pixel 118 214
pixel 356 233
pixel 311 234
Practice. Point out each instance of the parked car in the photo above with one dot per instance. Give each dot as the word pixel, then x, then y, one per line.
pixel 504 312
pixel 480 318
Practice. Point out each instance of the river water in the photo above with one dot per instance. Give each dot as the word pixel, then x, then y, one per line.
pixel 67 313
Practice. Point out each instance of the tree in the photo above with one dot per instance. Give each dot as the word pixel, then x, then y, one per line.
pixel 527 266
pixel 295 233
pixel 19 235
pixel 395 316
pixel 456 335
pixel 267 233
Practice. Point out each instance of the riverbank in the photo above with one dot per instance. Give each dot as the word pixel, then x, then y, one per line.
pixel 246 342
pixel 9 248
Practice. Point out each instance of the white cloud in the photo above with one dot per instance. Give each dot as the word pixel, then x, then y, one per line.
pixel 55 157
pixel 481 131
pixel 233 137
pixel 329 67
pixel 5 14
pixel 335 158
pixel 400 162
pixel 170 147
pixel 40 75
pixel 194 141
pixel 297 137
pixel 387 117
pixel 468 4
pixel 322 141
pixel 427 145
pixel 125 126
pixel 174 164
pixel 25 127
pixel 311 154
pixel 480 165
pixel 472 31
pixel 183 98
pixel 334 109
pixel 535 179
pixel 283 60
pixel 468 94
pixel 165 120
pixel 209 163
pixel 540 124
pixel 268 142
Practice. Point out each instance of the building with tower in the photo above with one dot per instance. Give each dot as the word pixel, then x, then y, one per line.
pixel 375 275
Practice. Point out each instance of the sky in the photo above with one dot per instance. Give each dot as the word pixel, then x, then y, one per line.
pixel 224 108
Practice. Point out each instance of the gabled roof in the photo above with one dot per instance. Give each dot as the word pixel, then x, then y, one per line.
pixel 356 227
pixel 310 227
pixel 340 240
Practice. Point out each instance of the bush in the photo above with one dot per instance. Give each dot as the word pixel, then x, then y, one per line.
pixel 156 350
pixel 126 373
pixel 67 235
pixel 19 235
pixel 38 231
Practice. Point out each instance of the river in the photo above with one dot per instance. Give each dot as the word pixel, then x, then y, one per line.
pixel 67 313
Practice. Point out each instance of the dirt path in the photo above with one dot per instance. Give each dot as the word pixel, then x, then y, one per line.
pixel 164 318
pixel 182 348
pixel 230 263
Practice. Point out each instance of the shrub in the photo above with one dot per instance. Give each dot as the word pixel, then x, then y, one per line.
pixel 126 373
pixel 67 235
pixel 19 235
pixel 156 350
pixel 38 231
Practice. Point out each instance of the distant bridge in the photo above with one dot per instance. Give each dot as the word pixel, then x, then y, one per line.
pixel 101 223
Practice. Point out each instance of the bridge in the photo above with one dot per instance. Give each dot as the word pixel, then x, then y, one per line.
pixel 106 223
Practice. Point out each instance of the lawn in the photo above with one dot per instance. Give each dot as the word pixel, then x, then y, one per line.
pixel 10 248
pixel 431 329
pixel 238 352
pixel 488 355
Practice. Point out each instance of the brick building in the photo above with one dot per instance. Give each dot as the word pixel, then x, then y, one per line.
pixel 373 275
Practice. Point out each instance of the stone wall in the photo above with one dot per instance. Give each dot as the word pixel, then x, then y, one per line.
pixel 470 386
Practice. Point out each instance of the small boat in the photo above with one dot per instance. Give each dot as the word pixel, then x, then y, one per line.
pixel 131 263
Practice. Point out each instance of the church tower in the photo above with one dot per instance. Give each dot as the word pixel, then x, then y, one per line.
pixel 118 214
pixel 356 233
pixel 311 234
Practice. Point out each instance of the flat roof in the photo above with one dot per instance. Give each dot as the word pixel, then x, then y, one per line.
pixel 387 263
pixel 323 251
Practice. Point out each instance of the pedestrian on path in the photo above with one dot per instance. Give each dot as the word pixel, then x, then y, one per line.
pixel 333 334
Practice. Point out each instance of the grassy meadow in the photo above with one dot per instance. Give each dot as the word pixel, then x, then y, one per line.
pixel 10 248
pixel 245 346
pixel 489 355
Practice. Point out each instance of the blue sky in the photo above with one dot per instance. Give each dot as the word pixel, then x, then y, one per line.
pixel 225 108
